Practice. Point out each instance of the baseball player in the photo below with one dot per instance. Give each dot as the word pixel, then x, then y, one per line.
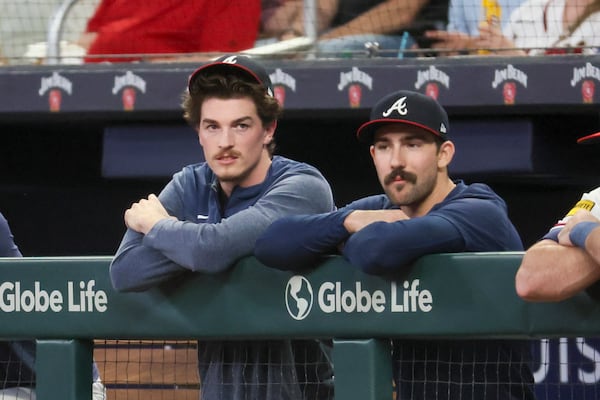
pixel 567 259
pixel 211 213
pixel 422 212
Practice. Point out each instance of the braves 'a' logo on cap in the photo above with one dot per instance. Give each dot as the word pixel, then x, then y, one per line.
pixel 443 128
pixel 230 60
pixel 399 105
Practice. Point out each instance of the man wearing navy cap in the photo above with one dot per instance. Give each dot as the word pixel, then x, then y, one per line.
pixel 567 259
pixel 422 212
pixel 211 213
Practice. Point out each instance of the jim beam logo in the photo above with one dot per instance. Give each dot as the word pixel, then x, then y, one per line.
pixel 354 80
pixel 508 79
pixel 55 85
pixel 431 78
pixel 586 75
pixel 282 81
pixel 127 85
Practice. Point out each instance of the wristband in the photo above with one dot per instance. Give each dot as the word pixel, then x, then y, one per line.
pixel 553 233
pixel 581 231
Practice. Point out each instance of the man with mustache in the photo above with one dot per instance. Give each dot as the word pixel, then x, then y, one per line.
pixel 422 212
pixel 211 213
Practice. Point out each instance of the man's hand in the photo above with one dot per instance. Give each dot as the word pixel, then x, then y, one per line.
pixel 491 38
pixel 358 219
pixel 144 214
pixel 579 216
pixel 451 43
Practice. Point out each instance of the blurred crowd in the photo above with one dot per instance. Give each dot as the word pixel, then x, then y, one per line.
pixel 179 30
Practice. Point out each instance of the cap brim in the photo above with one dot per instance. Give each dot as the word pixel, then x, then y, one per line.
pixel 216 66
pixel 594 138
pixel 366 131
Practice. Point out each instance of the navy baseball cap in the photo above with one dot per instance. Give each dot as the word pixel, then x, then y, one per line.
pixel 594 138
pixel 251 68
pixel 406 107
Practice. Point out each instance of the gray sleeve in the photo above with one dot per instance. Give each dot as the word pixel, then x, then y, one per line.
pixel 173 247
pixel 214 247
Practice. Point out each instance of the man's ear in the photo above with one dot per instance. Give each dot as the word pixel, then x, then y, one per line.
pixel 446 154
pixel 270 132
pixel 372 151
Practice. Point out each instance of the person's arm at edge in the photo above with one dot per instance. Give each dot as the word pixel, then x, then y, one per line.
pixel 212 248
pixel 553 272
pixel 8 248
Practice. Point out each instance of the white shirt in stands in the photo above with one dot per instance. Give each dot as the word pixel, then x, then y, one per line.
pixel 538 24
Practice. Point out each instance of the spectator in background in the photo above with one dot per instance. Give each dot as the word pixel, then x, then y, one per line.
pixel 422 212
pixel 546 27
pixel 132 30
pixel 567 259
pixel 394 25
pixel 17 358
pixel 210 214
pixel 284 19
pixel 539 27
pixel 349 27
pixel 276 17
pixel 464 20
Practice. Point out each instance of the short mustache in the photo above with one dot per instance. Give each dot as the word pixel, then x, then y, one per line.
pixel 399 172
pixel 231 153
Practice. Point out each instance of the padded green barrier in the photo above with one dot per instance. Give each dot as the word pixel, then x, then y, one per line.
pixel 468 294
pixel 465 295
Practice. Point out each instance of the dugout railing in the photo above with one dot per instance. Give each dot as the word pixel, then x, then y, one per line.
pixel 66 303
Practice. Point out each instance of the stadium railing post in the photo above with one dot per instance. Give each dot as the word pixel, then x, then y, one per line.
pixel 363 369
pixel 64 369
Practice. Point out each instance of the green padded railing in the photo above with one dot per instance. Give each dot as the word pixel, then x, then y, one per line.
pixel 65 303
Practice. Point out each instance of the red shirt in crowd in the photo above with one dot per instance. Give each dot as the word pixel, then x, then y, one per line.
pixel 172 26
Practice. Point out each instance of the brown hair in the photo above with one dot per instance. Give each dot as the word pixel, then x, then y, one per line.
pixel 229 86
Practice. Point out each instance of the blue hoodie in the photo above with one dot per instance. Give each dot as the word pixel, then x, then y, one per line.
pixel 471 218
pixel 208 237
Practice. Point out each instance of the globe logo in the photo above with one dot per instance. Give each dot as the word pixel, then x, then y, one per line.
pixel 298 297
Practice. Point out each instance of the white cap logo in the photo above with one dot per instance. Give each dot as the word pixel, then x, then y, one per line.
pixel 298 297
pixel 230 60
pixel 443 128
pixel 399 106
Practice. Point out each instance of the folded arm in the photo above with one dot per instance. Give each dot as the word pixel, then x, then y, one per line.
pixel 297 242
pixel 553 272
pixel 384 247
pixel 173 246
